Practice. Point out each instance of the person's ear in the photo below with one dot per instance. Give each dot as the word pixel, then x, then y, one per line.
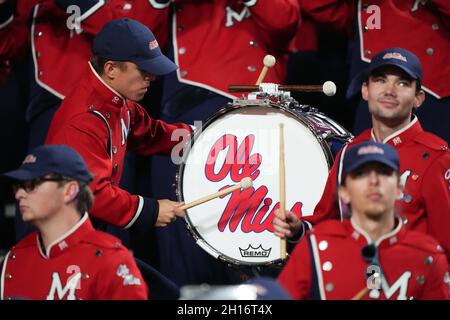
pixel 110 70
pixel 72 191
pixel 343 194
pixel 365 91
pixel 419 99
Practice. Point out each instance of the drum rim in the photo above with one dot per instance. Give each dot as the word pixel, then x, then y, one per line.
pixel 180 170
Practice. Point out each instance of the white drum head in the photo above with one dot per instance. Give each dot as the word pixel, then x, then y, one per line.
pixel 238 227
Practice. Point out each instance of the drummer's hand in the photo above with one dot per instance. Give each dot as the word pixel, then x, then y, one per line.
pixel 168 212
pixel 286 229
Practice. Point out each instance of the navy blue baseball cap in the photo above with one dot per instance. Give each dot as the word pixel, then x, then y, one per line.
pixel 129 40
pixel 370 151
pixel 52 158
pixel 397 57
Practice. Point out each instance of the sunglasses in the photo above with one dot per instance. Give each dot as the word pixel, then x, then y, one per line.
pixel 369 253
pixel 30 185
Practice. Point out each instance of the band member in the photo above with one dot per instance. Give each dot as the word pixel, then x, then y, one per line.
pixel 371 255
pixel 392 87
pixel 66 258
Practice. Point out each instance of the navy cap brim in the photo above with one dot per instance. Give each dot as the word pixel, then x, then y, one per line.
pixel 22 174
pixel 158 66
pixel 375 158
pixel 355 85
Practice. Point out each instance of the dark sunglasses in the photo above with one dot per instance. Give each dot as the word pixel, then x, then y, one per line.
pixel 369 253
pixel 30 185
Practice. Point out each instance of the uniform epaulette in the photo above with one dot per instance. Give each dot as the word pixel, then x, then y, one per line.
pixel 105 240
pixel 432 141
pixel 422 241
pixel 330 228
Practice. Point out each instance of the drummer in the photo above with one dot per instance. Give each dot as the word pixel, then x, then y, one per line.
pixel 391 85
pixel 101 120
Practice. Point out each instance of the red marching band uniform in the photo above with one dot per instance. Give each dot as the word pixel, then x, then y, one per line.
pixel 424 161
pixel 101 125
pixel 388 23
pixel 328 264
pixel 84 264
pixel 252 29
pixel 59 51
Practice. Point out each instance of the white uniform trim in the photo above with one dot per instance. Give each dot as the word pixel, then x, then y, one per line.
pixel 2 279
pixel 94 8
pixel 104 83
pixel 361 231
pixel 383 237
pixel 175 54
pixel 110 132
pixel 4 24
pixel 65 235
pixel 398 132
pixel 138 212
pixel 250 3
pixel 33 52
pixel 434 94
pixel 158 5
pixel 360 28
pixel 391 233
pixel 317 264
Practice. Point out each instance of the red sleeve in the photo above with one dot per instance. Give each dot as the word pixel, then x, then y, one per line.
pixel 15 32
pixel 437 286
pixel 121 279
pixel 296 274
pixel 88 135
pixel 443 6
pixel 327 207
pixel 149 136
pixel 338 14
pixel 281 27
pixel 435 190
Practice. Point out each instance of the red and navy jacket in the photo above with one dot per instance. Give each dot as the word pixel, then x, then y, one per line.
pixel 58 47
pixel 101 125
pixel 382 24
pixel 329 264
pixel 83 264
pixel 425 174
pixel 223 42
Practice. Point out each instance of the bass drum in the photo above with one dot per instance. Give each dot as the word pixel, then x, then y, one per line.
pixel 243 141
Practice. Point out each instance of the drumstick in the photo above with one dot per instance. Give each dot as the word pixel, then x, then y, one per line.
pixel 282 188
pixel 244 184
pixel 269 62
pixel 328 88
pixel 361 294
